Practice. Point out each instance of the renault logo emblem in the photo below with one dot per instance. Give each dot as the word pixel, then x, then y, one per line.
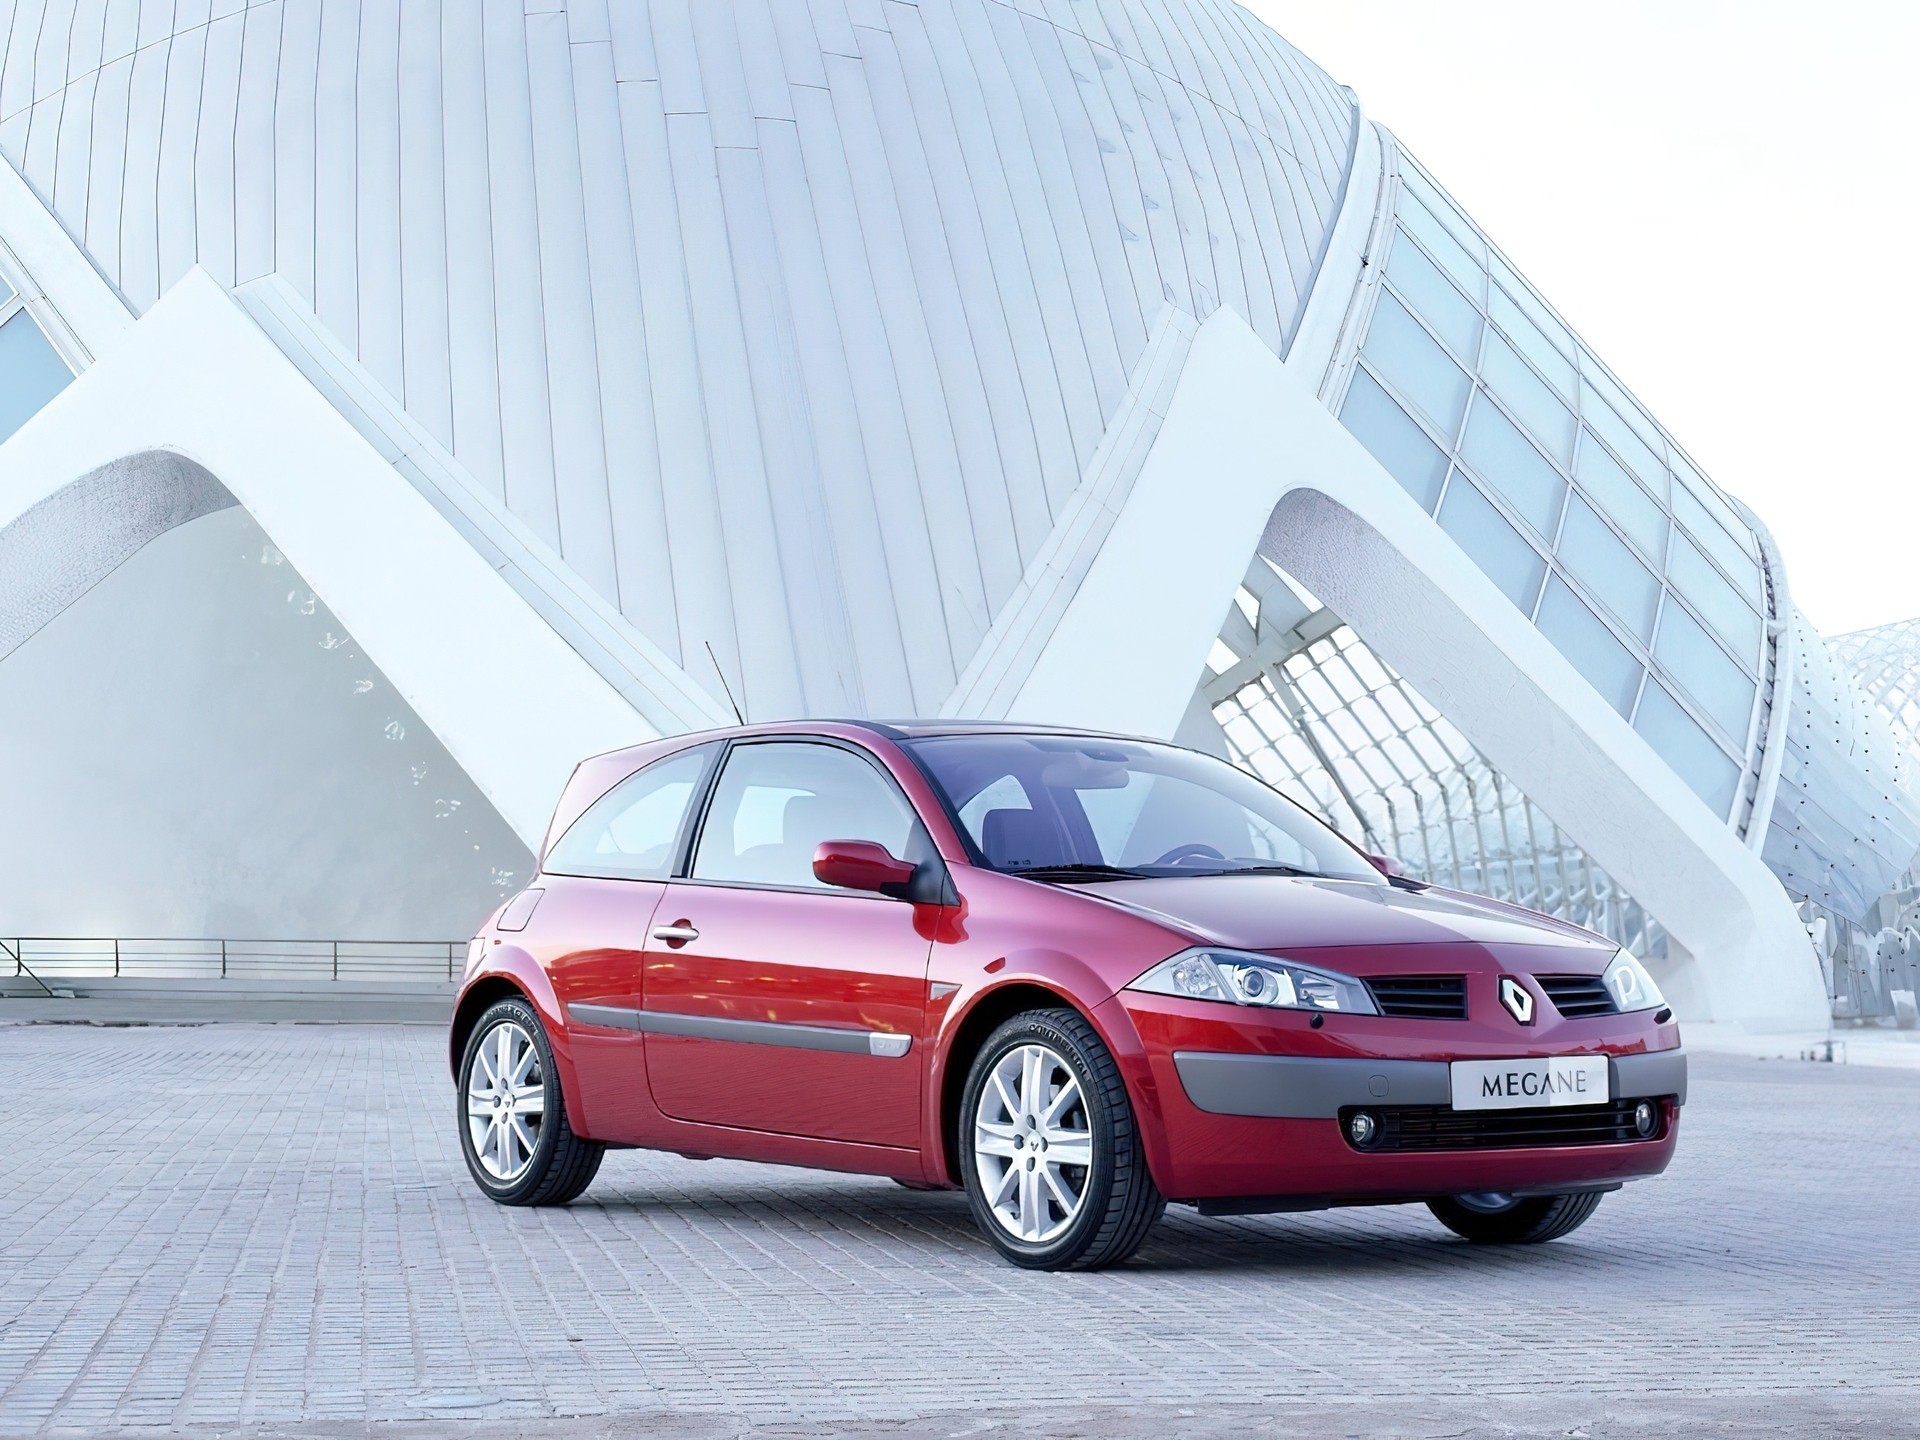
pixel 1517 999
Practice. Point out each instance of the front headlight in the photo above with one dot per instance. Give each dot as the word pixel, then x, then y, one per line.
pixel 1630 985
pixel 1240 977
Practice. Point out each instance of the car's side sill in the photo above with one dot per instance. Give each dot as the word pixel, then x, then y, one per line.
pixel 747 1032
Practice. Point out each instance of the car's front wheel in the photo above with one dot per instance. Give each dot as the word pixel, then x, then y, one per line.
pixel 1050 1149
pixel 513 1120
pixel 1505 1220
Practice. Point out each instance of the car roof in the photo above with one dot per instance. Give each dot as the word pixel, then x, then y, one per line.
pixel 910 729
pixel 919 729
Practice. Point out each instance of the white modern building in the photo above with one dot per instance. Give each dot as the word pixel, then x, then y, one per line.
pixel 404 401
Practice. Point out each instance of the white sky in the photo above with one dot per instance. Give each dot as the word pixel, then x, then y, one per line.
pixel 1720 198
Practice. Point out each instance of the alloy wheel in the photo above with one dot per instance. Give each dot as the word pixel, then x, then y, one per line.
pixel 506 1101
pixel 1032 1143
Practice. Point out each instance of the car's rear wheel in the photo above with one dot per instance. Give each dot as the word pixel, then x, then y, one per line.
pixel 513 1121
pixel 1505 1220
pixel 1050 1149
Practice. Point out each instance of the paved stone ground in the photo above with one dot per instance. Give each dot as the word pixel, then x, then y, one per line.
pixel 267 1230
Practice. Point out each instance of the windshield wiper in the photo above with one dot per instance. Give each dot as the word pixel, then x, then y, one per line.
pixel 1269 870
pixel 1080 872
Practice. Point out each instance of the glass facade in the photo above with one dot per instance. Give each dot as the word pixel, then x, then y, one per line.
pixel 1334 728
pixel 1501 424
pixel 31 370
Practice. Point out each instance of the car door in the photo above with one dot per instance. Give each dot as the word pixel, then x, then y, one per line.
pixel 774 1002
pixel 600 885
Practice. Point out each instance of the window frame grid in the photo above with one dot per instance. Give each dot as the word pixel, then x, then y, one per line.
pixel 52 325
pixel 1737 748
pixel 1585 363
pixel 1642 651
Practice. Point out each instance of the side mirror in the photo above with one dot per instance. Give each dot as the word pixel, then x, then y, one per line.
pixel 863 865
pixel 859 865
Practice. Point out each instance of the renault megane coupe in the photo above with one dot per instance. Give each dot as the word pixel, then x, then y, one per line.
pixel 1076 974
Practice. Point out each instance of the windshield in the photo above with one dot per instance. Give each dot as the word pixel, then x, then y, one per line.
pixel 1065 807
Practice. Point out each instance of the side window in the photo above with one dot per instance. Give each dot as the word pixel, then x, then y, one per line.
pixel 629 833
pixel 775 803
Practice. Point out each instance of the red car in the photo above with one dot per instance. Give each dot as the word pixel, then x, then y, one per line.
pixel 1077 974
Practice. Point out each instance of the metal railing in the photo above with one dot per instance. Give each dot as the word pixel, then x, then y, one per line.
pixel 45 959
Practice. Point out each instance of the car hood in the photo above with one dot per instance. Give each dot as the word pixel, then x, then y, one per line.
pixel 1275 912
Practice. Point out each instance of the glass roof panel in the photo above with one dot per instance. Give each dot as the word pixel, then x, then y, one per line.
pixel 1529 397
pixel 1606 566
pixel 1596 375
pixel 31 372
pixel 1412 178
pixel 1394 439
pixel 1538 310
pixel 1545 354
pixel 1715 599
pixel 1415 365
pixel 1627 445
pixel 1720 687
pixel 1617 493
pixel 1689 475
pixel 1451 314
pixel 1501 456
pixel 1454 258
pixel 1492 544
pixel 1679 740
pixel 1713 538
pixel 1579 634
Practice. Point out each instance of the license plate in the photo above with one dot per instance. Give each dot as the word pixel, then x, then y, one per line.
pixel 1529 1084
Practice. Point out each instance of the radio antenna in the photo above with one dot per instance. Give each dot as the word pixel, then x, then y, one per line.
pixel 723 684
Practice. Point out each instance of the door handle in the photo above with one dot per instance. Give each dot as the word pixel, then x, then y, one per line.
pixel 678 933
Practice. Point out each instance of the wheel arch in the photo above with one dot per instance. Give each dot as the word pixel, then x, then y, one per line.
pixel 512 972
pixel 987 1013
pixel 474 1002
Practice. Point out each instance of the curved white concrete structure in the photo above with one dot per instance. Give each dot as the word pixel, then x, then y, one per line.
pixel 607 366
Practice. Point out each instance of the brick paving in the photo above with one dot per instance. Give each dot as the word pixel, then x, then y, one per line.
pixel 268 1229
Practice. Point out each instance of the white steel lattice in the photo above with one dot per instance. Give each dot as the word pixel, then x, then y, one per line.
pixel 1873 969
pixel 1885 665
pixel 1335 729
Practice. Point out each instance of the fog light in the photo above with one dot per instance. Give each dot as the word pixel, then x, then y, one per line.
pixel 1363 1129
pixel 1645 1118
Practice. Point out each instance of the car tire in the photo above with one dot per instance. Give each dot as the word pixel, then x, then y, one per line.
pixel 518 1145
pixel 1050 1068
pixel 1521 1222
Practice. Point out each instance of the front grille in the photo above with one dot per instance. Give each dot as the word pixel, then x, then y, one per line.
pixel 1421 997
pixel 1577 995
pixel 1440 1127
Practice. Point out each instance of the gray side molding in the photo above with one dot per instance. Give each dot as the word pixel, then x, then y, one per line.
pixel 1299 1087
pixel 1664 1072
pixel 748 1032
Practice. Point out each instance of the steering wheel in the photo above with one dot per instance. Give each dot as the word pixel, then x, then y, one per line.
pixel 1180 854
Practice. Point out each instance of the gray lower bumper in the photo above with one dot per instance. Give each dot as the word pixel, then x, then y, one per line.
pixel 1300 1087
pixel 1664 1072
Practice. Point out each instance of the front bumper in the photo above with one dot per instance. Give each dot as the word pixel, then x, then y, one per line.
pixel 1245 1106
pixel 1315 1087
